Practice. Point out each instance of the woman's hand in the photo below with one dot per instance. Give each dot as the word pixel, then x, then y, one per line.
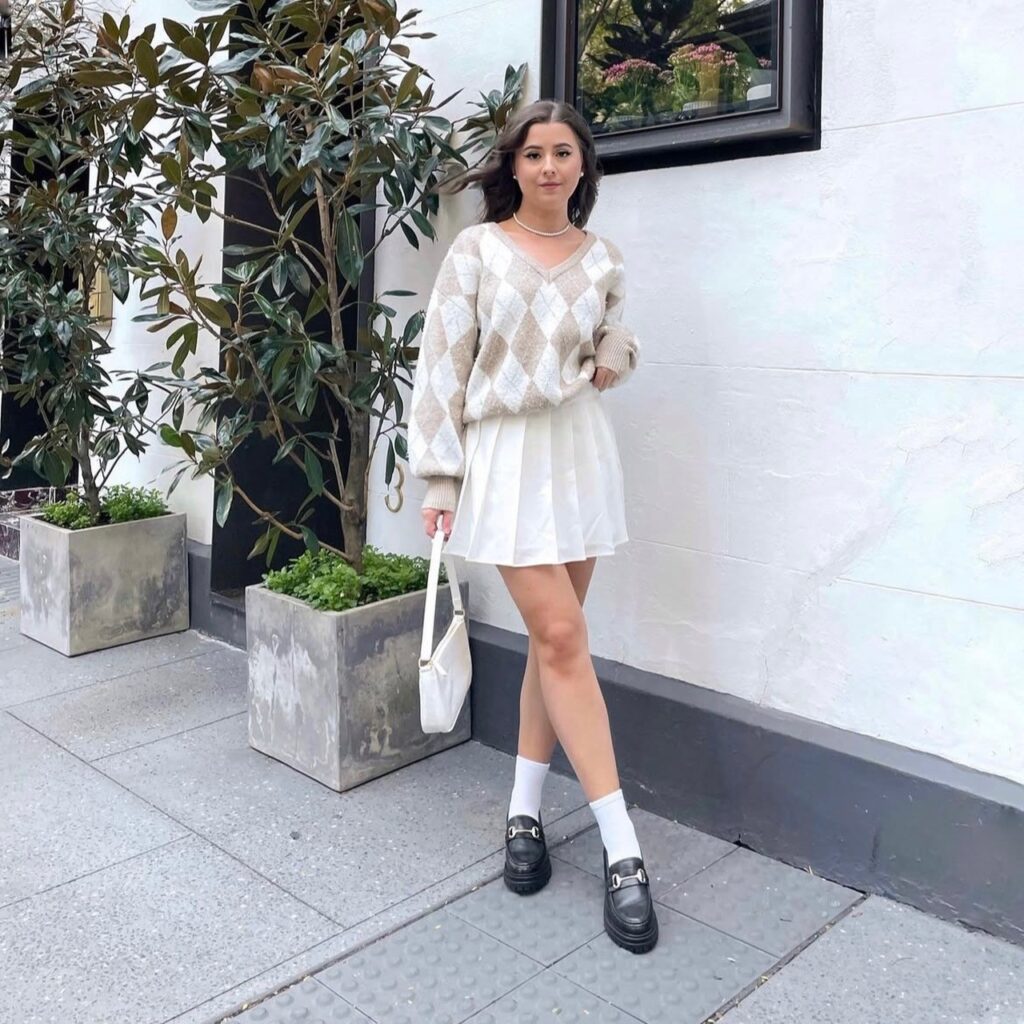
pixel 430 517
pixel 603 378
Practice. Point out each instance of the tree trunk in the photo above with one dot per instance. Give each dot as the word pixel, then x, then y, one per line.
pixel 353 522
pixel 89 488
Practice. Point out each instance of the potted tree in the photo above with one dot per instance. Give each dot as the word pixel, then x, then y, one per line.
pixel 76 133
pixel 317 109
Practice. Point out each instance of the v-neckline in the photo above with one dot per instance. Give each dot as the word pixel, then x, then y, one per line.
pixel 548 273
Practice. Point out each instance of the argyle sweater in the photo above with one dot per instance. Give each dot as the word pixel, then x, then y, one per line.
pixel 504 335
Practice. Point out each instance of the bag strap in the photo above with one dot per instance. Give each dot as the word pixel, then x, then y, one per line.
pixel 426 646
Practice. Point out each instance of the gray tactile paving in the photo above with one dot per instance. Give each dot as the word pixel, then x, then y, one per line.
pixel 438 970
pixel 888 964
pixel 552 998
pixel 691 972
pixel 770 905
pixel 573 898
pixel 309 1002
pixel 672 852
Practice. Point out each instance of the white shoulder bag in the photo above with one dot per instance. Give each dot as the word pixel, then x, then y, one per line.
pixel 446 672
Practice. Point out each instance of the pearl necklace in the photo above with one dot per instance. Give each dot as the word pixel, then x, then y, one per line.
pixel 547 234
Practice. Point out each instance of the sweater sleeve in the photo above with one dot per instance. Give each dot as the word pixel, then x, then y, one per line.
pixel 446 356
pixel 616 346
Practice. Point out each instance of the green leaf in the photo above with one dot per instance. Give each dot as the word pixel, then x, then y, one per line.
pixel 275 149
pixel 224 495
pixel 314 471
pixel 117 274
pixel 215 311
pixel 406 89
pixel 350 248
pixel 314 144
pixel 145 61
pixel 171 170
pixel 192 47
pixel 260 546
pixel 312 544
pixel 169 435
pixel 285 449
pixel 175 31
pixel 298 274
pixel 389 470
pixel 279 275
pixel 93 77
pixel 143 112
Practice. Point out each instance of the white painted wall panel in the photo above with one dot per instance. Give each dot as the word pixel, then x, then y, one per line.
pixel 823 448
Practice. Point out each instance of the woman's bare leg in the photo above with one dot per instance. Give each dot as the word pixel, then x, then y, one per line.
pixel 537 737
pixel 551 609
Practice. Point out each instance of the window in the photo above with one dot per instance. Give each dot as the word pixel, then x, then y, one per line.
pixel 683 80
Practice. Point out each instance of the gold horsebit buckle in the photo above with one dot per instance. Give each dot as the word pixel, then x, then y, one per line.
pixel 513 832
pixel 640 876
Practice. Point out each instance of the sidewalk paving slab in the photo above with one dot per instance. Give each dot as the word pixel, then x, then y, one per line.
pixel 890 964
pixel 137 941
pixel 180 877
pixel 143 705
pixel 350 855
pixel 31 670
pixel 62 819
pixel 765 903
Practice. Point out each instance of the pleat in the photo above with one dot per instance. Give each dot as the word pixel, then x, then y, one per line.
pixel 541 488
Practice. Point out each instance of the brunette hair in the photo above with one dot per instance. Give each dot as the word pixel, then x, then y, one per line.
pixel 500 191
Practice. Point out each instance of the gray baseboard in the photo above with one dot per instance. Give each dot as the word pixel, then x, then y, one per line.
pixel 209 612
pixel 860 811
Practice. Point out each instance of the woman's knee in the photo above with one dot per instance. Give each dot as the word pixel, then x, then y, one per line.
pixel 560 638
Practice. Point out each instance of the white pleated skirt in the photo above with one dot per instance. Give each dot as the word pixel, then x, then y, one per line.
pixel 541 488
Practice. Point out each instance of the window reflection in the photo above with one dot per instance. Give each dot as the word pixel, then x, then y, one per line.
pixel 649 62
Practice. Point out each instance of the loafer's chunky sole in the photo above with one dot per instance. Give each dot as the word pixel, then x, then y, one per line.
pixel 635 942
pixel 524 883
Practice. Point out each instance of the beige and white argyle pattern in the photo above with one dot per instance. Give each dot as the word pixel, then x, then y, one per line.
pixel 504 336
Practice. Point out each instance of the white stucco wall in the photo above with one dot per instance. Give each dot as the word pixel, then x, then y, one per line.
pixel 823 447
pixel 134 346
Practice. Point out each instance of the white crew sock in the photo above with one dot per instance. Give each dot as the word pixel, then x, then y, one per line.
pixel 617 831
pixel 526 790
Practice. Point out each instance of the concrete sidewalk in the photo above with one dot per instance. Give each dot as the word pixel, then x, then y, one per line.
pixel 154 868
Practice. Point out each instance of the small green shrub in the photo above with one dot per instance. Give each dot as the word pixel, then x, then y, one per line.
pixel 323 580
pixel 124 504
pixel 72 513
pixel 390 575
pixel 328 583
pixel 119 504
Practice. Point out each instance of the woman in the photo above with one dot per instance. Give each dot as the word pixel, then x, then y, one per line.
pixel 522 334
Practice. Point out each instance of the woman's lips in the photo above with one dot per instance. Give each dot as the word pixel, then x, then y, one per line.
pixel 553 184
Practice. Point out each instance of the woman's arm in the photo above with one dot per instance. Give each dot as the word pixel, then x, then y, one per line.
pixel 447 350
pixel 616 346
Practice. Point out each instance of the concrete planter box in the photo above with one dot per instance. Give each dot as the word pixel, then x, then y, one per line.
pixel 336 694
pixel 84 590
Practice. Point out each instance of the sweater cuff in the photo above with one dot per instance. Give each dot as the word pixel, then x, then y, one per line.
pixel 616 353
pixel 442 493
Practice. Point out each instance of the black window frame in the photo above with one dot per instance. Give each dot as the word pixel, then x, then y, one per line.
pixel 794 126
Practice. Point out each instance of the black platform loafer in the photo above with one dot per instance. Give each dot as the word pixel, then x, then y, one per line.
pixel 527 865
pixel 629 917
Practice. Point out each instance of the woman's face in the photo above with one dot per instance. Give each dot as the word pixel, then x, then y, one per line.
pixel 548 165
